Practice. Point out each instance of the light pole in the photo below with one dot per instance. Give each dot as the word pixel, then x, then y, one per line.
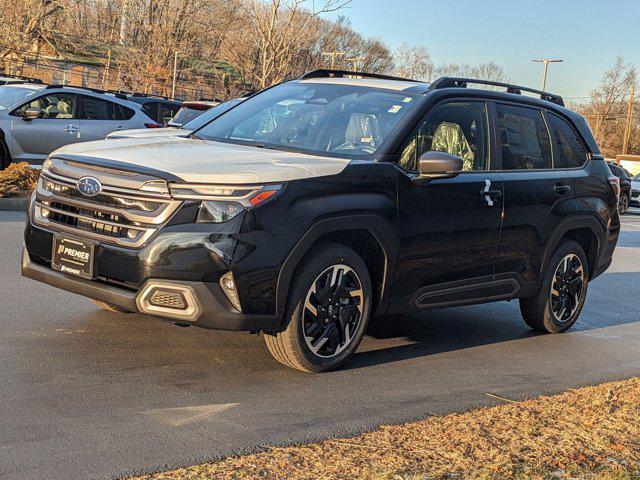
pixel 175 74
pixel 546 62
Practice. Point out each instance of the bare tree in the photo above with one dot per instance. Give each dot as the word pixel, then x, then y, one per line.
pixel 607 106
pixel 413 61
pixel 278 30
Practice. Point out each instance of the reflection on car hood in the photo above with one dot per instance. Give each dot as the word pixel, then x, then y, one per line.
pixel 149 133
pixel 203 161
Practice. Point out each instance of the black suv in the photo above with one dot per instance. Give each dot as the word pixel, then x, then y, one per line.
pixel 625 186
pixel 324 201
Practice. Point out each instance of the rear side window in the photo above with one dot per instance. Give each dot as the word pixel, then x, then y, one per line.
pixel 94 108
pixel 523 138
pixel 571 153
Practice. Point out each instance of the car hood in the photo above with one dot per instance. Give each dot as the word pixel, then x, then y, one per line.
pixel 149 133
pixel 201 161
pixel 635 184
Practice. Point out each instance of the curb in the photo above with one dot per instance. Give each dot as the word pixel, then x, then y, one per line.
pixel 14 204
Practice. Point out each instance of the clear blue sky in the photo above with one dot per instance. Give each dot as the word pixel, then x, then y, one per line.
pixel 587 34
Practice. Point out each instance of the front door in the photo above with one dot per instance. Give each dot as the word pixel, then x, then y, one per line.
pixel 450 227
pixel 35 139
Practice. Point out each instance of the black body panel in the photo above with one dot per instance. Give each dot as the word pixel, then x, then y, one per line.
pixel 428 243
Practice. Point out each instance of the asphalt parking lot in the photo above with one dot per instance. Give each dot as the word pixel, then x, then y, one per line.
pixel 87 394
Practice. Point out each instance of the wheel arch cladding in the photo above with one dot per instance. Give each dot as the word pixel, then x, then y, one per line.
pixel 586 231
pixel 370 236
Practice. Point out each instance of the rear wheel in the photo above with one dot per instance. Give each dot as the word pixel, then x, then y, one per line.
pixel 327 312
pixel 563 291
pixel 623 206
pixel 109 307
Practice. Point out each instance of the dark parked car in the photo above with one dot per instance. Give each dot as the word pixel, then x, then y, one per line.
pixel 625 186
pixel 322 201
pixel 160 109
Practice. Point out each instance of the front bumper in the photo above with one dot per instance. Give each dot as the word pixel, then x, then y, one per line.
pixel 214 311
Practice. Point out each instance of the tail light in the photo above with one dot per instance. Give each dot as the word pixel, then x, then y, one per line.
pixel 152 125
pixel 615 185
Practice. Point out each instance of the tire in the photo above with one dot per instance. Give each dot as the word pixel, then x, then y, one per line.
pixel 109 307
pixel 5 157
pixel 568 275
pixel 334 281
pixel 623 206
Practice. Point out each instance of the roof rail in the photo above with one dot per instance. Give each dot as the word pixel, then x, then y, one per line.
pixel 151 95
pixel 454 82
pixel 117 93
pixel 327 73
pixel 22 78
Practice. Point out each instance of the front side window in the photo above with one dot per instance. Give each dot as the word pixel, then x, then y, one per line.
pixel 571 153
pixel 457 128
pixel 523 138
pixel 55 105
pixel 320 118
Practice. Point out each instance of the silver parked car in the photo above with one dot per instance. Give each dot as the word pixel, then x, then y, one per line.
pixel 37 119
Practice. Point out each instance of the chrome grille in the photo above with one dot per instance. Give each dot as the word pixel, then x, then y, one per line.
pixel 117 215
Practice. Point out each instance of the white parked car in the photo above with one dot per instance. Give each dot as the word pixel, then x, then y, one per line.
pixel 635 191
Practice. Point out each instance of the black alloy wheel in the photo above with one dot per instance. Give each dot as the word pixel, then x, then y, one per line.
pixel 332 311
pixel 566 287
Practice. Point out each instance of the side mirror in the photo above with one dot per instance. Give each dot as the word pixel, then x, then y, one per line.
pixel 439 165
pixel 32 113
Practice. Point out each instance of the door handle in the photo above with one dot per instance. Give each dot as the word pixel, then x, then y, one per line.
pixel 561 189
pixel 490 194
pixel 71 129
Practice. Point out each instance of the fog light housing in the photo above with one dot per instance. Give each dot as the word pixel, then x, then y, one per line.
pixel 228 285
pixel 169 299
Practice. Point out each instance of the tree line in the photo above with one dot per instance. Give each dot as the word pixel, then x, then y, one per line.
pixel 262 42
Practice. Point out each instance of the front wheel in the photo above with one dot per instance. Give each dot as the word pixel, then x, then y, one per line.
pixel 562 293
pixel 327 312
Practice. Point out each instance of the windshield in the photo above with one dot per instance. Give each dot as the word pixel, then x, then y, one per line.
pixel 328 119
pixel 10 95
pixel 210 114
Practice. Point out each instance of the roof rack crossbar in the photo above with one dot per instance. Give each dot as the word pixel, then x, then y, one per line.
pixel 455 82
pixel 328 73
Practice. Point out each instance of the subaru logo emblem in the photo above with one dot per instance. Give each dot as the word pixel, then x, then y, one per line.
pixel 89 186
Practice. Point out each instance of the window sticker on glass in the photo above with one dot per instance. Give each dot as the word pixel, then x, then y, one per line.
pixel 395 109
pixel 407 99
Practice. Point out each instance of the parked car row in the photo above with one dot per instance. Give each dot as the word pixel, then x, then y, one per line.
pixel 629 195
pixel 36 119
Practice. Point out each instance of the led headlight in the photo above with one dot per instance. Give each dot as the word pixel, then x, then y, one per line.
pixel 217 212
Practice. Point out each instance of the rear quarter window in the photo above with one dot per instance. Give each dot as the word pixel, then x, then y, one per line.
pixel 570 149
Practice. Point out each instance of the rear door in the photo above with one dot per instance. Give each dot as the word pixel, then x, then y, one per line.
pixel 35 139
pixel 537 196
pixel 99 117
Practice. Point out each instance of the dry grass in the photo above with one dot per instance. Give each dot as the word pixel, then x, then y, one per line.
pixel 588 433
pixel 18 180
